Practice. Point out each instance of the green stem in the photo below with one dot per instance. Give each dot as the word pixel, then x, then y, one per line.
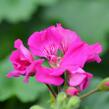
pixel 51 90
pixel 66 79
pixel 89 93
pixel 58 89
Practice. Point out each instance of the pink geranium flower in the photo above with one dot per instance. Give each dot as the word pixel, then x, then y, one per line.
pixel 64 51
pixel 23 62
pixel 25 65
pixel 75 53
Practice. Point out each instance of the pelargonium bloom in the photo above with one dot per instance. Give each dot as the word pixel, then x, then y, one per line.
pixel 64 51
pixel 23 62
pixel 75 53
pixel 25 65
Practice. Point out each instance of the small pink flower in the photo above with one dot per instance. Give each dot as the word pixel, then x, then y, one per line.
pixel 22 61
pixel 72 91
pixel 78 77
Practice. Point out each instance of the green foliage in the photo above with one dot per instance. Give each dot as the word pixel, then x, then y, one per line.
pixel 16 86
pixel 20 10
pixel 88 17
pixel 98 100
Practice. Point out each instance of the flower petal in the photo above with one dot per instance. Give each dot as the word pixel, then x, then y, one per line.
pixel 76 79
pixel 43 76
pixel 68 37
pixel 13 74
pixel 44 43
pixel 31 70
pixel 81 53
pixel 23 50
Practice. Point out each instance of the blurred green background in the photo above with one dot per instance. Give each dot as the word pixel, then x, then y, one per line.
pixel 19 18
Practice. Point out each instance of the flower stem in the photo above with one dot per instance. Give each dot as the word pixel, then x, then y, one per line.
pixel 51 90
pixel 66 79
pixel 58 89
pixel 89 93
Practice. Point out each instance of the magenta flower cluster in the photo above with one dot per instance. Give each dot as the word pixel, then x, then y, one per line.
pixel 65 53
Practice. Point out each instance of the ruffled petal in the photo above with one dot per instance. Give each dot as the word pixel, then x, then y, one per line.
pixel 31 70
pixel 23 50
pixel 44 43
pixel 68 37
pixel 43 76
pixel 57 71
pixel 76 79
pixel 13 74
pixel 81 53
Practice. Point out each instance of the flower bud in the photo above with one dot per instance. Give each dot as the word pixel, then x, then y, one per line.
pixel 104 85
pixel 61 97
pixel 74 102
pixel 72 91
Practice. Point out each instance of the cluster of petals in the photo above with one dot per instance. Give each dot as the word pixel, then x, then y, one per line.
pixel 65 53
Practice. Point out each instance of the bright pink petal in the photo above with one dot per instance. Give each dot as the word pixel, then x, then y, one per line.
pixel 44 43
pixel 95 50
pixel 68 37
pixel 76 79
pixel 23 50
pixel 47 79
pixel 31 70
pixel 86 81
pixel 81 53
pixel 75 56
pixel 43 76
pixel 13 74
pixel 57 71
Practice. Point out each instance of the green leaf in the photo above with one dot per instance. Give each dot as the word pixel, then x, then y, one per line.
pixel 16 86
pixel 88 17
pixel 20 10
pixel 98 100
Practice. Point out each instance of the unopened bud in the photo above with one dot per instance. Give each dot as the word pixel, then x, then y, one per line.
pixel 61 97
pixel 72 91
pixel 74 102
pixel 104 85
